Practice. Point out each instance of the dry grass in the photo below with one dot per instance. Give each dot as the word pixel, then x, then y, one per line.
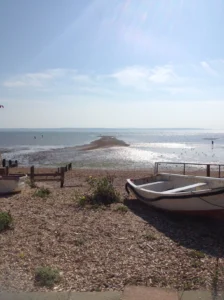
pixel 102 249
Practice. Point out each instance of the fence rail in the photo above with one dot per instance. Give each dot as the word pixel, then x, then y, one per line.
pixel 59 175
pixel 184 164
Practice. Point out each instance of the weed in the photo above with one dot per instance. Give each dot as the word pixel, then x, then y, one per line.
pixel 102 191
pixel 82 200
pixel 121 208
pixel 196 254
pixel 149 237
pixel 47 276
pixel 42 192
pixel 5 220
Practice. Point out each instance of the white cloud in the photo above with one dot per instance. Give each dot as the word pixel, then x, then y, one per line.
pixel 206 66
pixel 145 78
pixel 163 74
pixel 132 76
pixel 38 79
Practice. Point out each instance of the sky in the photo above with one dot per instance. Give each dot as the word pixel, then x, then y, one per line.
pixel 112 64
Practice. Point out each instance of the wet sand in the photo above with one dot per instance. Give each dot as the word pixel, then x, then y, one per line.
pixel 103 142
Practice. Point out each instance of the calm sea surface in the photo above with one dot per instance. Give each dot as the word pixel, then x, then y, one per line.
pixel 54 147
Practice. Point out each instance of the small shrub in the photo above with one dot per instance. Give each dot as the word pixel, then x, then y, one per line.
pixel 5 220
pixel 121 208
pixel 46 276
pixel 150 237
pixel 82 200
pixel 42 192
pixel 196 254
pixel 102 191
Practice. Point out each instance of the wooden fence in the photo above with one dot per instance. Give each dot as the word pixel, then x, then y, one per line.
pixel 207 167
pixel 59 175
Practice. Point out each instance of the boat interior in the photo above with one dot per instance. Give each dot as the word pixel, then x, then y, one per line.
pixel 172 183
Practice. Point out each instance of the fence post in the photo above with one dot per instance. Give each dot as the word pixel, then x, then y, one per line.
pixel 208 170
pixel 16 163
pixel 62 176
pixel 184 169
pixel 4 163
pixel 7 170
pixel 32 175
pixel 219 171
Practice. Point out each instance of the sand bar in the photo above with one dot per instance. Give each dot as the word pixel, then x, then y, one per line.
pixel 103 142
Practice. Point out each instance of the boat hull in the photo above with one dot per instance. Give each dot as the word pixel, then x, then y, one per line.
pixel 207 202
pixel 12 184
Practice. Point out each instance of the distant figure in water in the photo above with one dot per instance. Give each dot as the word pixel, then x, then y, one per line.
pixel 212 144
pixel 34 137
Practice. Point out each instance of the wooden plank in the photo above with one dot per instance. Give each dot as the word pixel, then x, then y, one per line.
pixel 47 174
pixel 48 179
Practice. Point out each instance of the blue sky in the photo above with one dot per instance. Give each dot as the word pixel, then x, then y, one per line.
pixel 118 63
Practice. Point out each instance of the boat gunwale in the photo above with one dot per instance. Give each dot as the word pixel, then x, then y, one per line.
pixel 177 196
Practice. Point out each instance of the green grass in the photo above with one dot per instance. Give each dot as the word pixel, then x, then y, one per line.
pixel 42 192
pixel 5 220
pixel 196 254
pixel 121 208
pixel 149 237
pixel 47 276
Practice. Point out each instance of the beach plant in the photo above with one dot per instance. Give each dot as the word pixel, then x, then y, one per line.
pixel 42 192
pixel 47 276
pixel 196 254
pixel 102 191
pixel 5 220
pixel 121 208
pixel 149 237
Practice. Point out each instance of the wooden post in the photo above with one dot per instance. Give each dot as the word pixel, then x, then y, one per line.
pixel 4 163
pixel 32 175
pixel 10 163
pixel 219 171
pixel 62 176
pixel 208 170
pixel 16 163
pixel 184 169
pixel 7 170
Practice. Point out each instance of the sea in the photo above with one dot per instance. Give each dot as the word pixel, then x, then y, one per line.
pixel 55 147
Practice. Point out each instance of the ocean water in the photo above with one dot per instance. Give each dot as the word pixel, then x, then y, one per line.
pixel 55 147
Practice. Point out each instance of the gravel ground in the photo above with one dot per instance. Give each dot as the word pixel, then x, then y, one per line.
pixel 105 249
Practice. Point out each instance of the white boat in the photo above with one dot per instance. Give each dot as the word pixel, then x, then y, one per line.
pixel 12 183
pixel 180 193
